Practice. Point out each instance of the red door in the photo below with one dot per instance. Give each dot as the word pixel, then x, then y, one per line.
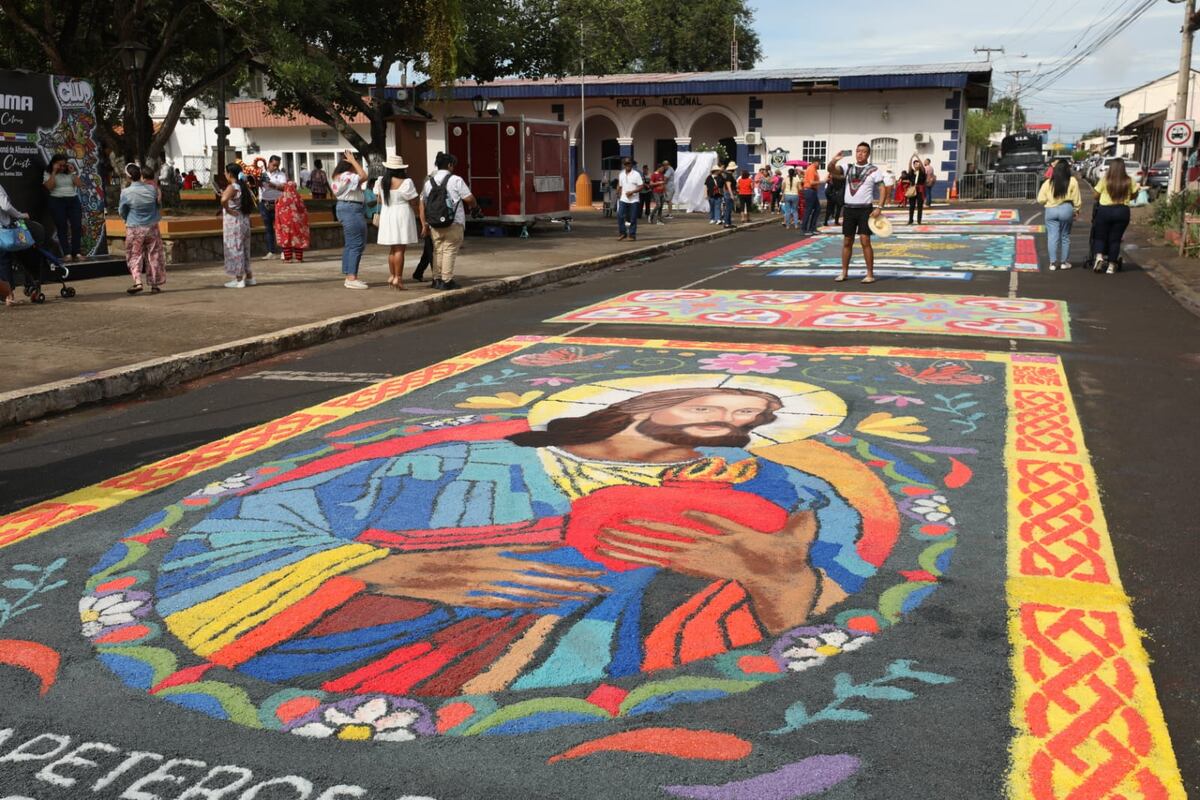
pixel 483 149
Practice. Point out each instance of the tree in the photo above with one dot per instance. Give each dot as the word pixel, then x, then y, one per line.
pixel 82 38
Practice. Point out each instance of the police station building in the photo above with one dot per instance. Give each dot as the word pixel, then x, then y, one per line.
pixel 809 114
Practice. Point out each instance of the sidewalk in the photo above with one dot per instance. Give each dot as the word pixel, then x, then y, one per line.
pixel 104 343
pixel 1179 276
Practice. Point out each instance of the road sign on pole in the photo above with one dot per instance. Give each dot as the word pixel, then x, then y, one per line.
pixel 1178 132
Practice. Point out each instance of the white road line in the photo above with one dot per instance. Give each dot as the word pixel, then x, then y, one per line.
pixel 710 277
pixel 1033 219
pixel 580 329
pixel 318 377
pixel 1012 283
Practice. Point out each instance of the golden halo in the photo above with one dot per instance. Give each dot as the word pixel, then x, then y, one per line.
pixel 807 409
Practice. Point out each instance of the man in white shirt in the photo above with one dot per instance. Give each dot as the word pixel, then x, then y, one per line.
pixel 629 185
pixel 273 181
pixel 447 234
pixel 304 175
pixel 930 180
pixel 861 179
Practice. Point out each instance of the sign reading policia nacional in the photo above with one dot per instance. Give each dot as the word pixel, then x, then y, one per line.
pixel 646 102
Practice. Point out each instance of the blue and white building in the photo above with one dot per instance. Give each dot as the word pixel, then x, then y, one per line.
pixel 807 113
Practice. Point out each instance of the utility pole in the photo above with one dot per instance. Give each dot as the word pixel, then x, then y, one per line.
pixel 733 47
pixel 989 51
pixel 1017 73
pixel 1178 164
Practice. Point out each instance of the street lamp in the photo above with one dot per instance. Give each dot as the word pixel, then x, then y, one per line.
pixel 133 58
pixel 479 103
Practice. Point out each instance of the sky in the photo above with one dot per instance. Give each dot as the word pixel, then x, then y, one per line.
pixel 1032 32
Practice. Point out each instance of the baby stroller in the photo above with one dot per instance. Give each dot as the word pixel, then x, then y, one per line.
pixel 40 265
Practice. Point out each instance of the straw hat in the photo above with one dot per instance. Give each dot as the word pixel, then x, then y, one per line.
pixel 731 166
pixel 395 161
pixel 880 225
pixel 716 168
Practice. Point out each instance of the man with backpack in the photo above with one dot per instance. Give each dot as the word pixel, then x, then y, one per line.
pixel 444 218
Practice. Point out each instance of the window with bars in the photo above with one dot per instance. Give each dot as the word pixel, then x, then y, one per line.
pixel 813 150
pixel 884 149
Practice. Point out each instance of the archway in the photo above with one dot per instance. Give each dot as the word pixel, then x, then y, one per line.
pixel 654 139
pixel 711 129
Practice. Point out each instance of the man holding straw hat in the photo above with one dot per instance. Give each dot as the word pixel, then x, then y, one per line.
pixel 860 217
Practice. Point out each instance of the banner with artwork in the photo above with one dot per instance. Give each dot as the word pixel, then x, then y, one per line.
pixel 40 116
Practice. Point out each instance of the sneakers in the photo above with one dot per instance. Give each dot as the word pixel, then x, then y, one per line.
pixel 622 238
pixel 438 283
pixel 1053 266
pixel 236 285
pixel 1065 265
pixel 1112 268
pixel 355 284
pixel 251 282
pixel 268 256
pixel 450 284
pixel 1098 264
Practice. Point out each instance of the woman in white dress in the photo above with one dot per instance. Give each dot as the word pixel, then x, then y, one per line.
pixel 397 214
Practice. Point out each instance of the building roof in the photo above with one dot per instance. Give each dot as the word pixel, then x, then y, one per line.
pixel 255 114
pixel 1144 120
pixel 974 76
pixel 1115 102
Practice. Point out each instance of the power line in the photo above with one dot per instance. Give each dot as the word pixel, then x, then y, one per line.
pixel 1102 37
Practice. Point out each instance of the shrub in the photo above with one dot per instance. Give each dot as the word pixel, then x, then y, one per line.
pixel 1166 213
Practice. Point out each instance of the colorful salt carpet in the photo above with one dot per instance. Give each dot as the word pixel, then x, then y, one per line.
pixel 977 252
pixel 945 314
pixel 902 226
pixel 961 216
pixel 880 272
pixel 596 568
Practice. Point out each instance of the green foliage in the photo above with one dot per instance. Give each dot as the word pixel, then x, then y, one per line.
pixel 796 716
pixel 1166 213
pixel 1079 155
pixel 703 147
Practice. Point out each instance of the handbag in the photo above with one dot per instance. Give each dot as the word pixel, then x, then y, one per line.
pixel 910 192
pixel 15 237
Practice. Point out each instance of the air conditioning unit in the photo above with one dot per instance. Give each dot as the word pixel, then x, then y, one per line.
pixel 753 138
pixel 922 138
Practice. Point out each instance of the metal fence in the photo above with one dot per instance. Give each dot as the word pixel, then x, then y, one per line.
pixel 999 186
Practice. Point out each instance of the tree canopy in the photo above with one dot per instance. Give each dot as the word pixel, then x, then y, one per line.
pixel 323 58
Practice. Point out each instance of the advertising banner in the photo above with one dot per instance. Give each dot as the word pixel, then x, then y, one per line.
pixel 40 116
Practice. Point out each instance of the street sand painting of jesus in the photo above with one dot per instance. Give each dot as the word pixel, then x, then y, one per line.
pixel 704 552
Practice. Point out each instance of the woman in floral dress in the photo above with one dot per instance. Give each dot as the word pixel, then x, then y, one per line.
pixel 237 204
pixel 291 224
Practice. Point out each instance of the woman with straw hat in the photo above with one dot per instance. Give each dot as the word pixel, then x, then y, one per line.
pixel 397 215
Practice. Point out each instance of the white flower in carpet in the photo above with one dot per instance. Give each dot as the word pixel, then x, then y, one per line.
pixel 232 483
pixel 446 423
pixel 933 508
pixel 809 651
pixel 370 721
pixel 110 610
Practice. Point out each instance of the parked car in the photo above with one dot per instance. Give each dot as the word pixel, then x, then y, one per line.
pixel 1158 177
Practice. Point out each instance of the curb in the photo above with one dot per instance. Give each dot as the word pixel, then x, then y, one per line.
pixel 33 402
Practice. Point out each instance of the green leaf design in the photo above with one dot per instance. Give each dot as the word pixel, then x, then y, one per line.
pixel 841 715
pixel 26 568
pixel 528 708
pixel 901 668
pixel 18 584
pixel 872 692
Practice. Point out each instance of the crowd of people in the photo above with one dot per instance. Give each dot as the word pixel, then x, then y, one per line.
pixel 434 215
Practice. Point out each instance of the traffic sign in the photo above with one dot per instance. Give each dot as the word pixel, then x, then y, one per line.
pixel 1179 132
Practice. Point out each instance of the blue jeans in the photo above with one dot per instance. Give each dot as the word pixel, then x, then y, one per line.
pixel 1059 220
pixel 68 220
pixel 727 211
pixel 267 209
pixel 354 230
pixel 812 210
pixel 791 209
pixel 714 209
pixel 627 217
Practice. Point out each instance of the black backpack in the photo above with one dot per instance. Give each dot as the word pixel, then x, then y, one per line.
pixel 439 211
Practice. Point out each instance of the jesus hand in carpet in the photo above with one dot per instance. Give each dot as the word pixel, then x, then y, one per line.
pixel 773 568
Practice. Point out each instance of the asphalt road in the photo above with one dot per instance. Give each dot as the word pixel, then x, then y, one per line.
pixel 1133 366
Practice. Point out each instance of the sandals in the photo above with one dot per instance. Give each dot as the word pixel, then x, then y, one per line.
pixel 840 278
pixel 867 279
pixel 137 287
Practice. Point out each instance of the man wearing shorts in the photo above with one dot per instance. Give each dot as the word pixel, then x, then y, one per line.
pixel 861 179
